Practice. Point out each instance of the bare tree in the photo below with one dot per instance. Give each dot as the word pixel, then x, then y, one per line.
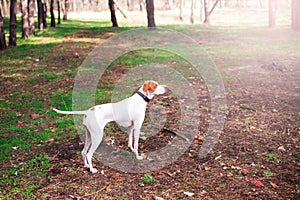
pixel 5 9
pixel 25 24
pixel 150 14
pixel 112 9
pixel 272 13
pixel 296 15
pixel 13 23
pixel 201 10
pixel 192 11
pixel 2 33
pixel 66 10
pixel 52 23
pixel 31 7
pixel 142 4
pixel 74 6
pixel 208 13
pixel 129 4
pixel 44 15
pixel 58 12
pixel 181 10
pixel 41 15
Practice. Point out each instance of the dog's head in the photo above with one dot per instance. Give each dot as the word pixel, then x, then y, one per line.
pixel 153 88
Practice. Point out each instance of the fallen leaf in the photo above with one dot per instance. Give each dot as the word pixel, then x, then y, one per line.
pixel 203 193
pixel 256 182
pixel 244 172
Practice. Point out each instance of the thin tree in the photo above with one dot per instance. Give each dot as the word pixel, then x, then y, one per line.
pixel 65 17
pixel 181 10
pixel 192 11
pixel 13 23
pixel 296 15
pixel 31 6
pixel 45 15
pixel 52 23
pixel 5 9
pixel 150 14
pixel 272 13
pixel 2 33
pixel 40 14
pixel 25 21
pixel 74 6
pixel 208 13
pixel 112 9
pixel 58 12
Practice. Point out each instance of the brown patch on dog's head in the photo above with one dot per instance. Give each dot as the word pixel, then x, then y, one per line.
pixel 93 108
pixel 149 87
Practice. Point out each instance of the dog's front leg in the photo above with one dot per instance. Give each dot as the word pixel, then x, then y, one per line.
pixel 130 137
pixel 136 131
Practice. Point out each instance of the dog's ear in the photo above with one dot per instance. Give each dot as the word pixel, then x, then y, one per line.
pixel 149 87
pixel 145 87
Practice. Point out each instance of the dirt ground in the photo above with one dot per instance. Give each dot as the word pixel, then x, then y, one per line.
pixel 257 155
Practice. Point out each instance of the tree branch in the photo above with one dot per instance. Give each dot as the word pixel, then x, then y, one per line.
pixel 212 9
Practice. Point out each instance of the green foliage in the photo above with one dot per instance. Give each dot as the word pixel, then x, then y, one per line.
pixel 268 173
pixel 147 178
pixel 270 157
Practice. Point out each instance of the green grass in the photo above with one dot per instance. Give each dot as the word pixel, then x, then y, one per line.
pixel 41 73
pixel 34 168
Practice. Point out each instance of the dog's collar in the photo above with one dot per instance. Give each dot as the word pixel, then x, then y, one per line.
pixel 143 96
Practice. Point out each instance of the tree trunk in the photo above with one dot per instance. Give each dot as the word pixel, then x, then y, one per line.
pixel 40 14
pixel 272 13
pixel 74 6
pixel 13 23
pixel 141 3
pixel 25 24
pixel 2 33
pixel 296 15
pixel 45 15
pixel 31 6
pixel 5 8
pixel 112 9
pixel 129 5
pixel 201 10
pixel 66 10
pixel 181 10
pixel 52 24
pixel 150 14
pixel 206 12
pixel 192 11
pixel 58 12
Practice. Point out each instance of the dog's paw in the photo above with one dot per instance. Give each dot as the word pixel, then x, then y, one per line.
pixel 93 170
pixel 139 157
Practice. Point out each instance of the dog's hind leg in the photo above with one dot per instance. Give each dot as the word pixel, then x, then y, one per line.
pixel 96 133
pixel 86 147
pixel 96 138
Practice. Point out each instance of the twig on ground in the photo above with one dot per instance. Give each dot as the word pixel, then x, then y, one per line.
pixel 176 133
pixel 248 108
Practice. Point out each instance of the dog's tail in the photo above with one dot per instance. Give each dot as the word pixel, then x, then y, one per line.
pixel 71 112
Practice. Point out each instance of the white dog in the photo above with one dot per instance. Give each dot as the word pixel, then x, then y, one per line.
pixel 129 113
